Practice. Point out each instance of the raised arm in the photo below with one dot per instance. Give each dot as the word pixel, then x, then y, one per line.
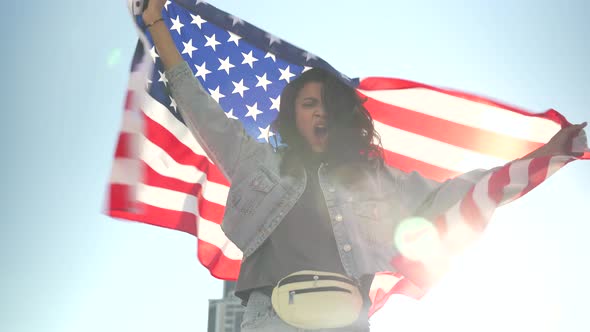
pixel 224 140
pixel 427 197
pixel 562 143
pixel 167 51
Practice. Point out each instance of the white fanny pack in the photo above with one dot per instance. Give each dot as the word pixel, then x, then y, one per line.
pixel 317 300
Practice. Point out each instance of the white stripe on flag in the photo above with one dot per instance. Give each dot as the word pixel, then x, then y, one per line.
pixel 481 198
pixel 213 192
pixel 137 81
pixel 459 233
pixel 434 152
pixel 160 114
pixel 519 177
pixel 556 163
pixel 212 233
pixel 161 162
pixel 171 200
pixel 167 199
pixel 125 171
pixel 132 123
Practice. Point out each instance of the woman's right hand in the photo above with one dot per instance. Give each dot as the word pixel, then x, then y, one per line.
pixel 153 10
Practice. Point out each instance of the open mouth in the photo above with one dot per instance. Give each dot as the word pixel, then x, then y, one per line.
pixel 320 131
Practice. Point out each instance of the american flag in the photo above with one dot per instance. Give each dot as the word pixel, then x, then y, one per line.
pixel 161 176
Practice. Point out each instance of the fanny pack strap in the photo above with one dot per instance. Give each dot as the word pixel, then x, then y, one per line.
pixel 314 277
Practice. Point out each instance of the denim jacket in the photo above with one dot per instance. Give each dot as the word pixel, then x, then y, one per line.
pixel 364 212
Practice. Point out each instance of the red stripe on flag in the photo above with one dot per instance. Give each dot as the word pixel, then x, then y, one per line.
pixel 119 201
pixel 415 271
pixel 129 100
pixel 182 154
pixel 403 287
pixel 120 206
pixel 498 181
pixel 475 139
pixel 470 212
pixel 537 173
pixel 441 226
pixel 218 264
pixel 175 220
pixel 207 209
pixel 382 83
pixel 124 146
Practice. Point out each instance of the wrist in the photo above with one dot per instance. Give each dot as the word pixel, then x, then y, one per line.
pixel 150 17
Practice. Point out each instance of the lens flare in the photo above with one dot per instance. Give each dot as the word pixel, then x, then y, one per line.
pixel 417 238
pixel 114 57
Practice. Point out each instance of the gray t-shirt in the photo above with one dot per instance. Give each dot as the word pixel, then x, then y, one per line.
pixel 304 240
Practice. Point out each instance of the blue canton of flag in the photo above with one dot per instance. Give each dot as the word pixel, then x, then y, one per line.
pixel 242 67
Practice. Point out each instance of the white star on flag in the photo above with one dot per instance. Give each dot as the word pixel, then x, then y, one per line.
pixel 211 41
pixel 236 20
pixel 166 4
pixel 286 74
pixel 276 102
pixel 262 81
pixel 240 88
pixel 225 65
pixel 173 103
pixel 270 55
pixel 154 54
pixel 273 39
pixel 233 38
pixel 176 24
pixel 189 48
pixel 265 133
pixel 253 111
pixel 215 94
pixel 202 71
pixel 309 56
pixel 230 114
pixel 198 20
pixel 163 78
pixel 249 59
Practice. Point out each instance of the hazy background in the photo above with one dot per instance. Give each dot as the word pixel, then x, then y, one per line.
pixel 67 267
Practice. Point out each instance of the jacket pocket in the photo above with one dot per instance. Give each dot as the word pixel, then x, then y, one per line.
pixel 374 221
pixel 246 196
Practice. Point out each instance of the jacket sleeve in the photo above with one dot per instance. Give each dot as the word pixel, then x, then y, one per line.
pixel 429 198
pixel 224 140
pixel 426 198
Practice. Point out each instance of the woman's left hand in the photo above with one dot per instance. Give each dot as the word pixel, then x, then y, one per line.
pixel 561 143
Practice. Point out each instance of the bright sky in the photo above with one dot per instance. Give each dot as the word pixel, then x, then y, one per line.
pixel 67 267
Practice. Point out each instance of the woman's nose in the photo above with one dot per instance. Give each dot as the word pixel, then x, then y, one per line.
pixel 320 112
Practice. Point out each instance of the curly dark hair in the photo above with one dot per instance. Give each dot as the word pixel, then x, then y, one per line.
pixel 352 136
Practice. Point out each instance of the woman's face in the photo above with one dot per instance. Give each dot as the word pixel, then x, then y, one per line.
pixel 310 116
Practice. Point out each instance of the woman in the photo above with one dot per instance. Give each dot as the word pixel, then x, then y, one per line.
pixel 314 219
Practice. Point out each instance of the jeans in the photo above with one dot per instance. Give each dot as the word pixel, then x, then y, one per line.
pixel 261 317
